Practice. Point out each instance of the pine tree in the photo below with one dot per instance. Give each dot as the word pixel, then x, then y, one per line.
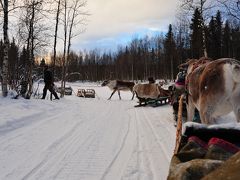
pixel 236 43
pixel 170 52
pixel 196 36
pixel 23 58
pixel 211 38
pixel 13 63
pixel 214 37
pixel 218 35
pixel 226 40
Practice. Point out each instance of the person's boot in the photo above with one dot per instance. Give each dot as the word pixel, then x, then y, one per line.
pixel 44 93
pixel 55 95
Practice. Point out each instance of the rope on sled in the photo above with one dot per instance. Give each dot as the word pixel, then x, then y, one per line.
pixel 179 125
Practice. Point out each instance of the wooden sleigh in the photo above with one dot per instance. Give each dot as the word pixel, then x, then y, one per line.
pixel 86 93
pixel 151 94
pixel 204 151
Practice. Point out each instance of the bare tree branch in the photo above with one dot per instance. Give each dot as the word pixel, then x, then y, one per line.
pixel 232 7
pixel 2 4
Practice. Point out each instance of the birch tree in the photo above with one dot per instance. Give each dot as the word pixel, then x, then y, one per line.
pixel 75 12
pixel 4 5
pixel 33 32
pixel 74 16
pixel 55 39
pixel 56 34
pixel 65 24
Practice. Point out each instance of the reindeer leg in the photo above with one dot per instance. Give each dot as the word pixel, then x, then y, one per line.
pixel 206 114
pixel 236 106
pixel 119 94
pixel 190 110
pixel 207 109
pixel 237 114
pixel 236 110
pixel 133 94
pixel 112 94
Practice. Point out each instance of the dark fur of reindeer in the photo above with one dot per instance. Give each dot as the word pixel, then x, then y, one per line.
pixel 118 85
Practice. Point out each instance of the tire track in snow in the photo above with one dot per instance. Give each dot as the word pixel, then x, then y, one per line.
pixel 68 144
pixel 120 155
pixel 140 149
pixel 32 155
pixel 144 147
pixel 157 138
pixel 98 151
pixel 151 117
pixel 10 136
pixel 92 148
pixel 166 119
pixel 66 163
pixel 163 126
pixel 131 162
pixel 109 143
pixel 48 157
pixel 150 154
pixel 33 122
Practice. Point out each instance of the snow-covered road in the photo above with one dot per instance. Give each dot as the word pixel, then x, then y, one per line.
pixel 84 139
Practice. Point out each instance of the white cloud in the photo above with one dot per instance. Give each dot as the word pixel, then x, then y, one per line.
pixel 110 18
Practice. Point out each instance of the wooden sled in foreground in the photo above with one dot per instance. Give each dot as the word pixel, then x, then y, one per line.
pixel 86 93
pixel 205 151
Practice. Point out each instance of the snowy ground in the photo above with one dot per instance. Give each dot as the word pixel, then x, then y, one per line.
pixel 84 139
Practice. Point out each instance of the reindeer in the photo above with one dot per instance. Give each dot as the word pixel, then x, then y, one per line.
pixel 118 85
pixel 213 88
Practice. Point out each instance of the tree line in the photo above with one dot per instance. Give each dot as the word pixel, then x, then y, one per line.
pixel 158 56
pixel 200 30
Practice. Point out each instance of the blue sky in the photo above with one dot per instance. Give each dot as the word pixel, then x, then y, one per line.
pixel 111 43
pixel 116 22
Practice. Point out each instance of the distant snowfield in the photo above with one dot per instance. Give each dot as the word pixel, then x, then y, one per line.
pixel 84 139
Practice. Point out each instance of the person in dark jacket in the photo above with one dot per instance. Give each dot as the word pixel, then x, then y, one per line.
pixel 49 85
pixel 151 80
